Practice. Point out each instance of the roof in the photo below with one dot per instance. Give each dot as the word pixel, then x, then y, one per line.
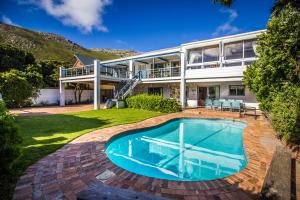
pixel 85 60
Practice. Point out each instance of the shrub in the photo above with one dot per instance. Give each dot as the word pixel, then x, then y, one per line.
pixel 15 88
pixel 153 103
pixel 9 150
pixel 285 114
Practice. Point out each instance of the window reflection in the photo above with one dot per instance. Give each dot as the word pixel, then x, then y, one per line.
pixel 249 48
pixel 211 54
pixel 233 50
pixel 195 56
pixel 207 54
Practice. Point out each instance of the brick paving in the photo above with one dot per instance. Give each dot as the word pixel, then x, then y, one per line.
pixel 66 172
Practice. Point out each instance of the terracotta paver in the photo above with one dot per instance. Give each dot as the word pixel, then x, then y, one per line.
pixel 50 110
pixel 63 174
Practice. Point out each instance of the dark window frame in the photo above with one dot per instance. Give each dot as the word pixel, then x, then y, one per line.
pixel 153 93
pixel 236 90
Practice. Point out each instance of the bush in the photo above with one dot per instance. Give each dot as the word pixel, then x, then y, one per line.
pixel 285 115
pixel 153 103
pixel 9 150
pixel 15 88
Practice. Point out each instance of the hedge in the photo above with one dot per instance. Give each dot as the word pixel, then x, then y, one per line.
pixel 153 103
pixel 9 151
pixel 285 114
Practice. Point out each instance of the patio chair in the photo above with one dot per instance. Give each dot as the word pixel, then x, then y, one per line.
pixel 217 104
pixel 236 105
pixel 208 103
pixel 226 105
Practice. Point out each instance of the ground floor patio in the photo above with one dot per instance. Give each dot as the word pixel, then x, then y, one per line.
pixel 69 170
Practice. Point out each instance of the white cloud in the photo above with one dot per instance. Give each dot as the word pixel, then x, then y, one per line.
pixel 227 28
pixel 86 15
pixel 7 20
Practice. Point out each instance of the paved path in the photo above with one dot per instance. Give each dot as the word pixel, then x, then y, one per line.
pixel 66 172
pixel 31 111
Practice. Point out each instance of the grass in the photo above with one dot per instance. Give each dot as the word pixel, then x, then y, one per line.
pixel 43 135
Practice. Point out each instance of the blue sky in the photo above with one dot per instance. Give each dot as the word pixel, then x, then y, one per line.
pixel 142 25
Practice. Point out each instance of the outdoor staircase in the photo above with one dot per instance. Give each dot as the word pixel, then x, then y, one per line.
pixel 125 87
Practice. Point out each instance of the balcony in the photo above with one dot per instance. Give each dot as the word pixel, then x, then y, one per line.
pixel 88 70
pixel 160 72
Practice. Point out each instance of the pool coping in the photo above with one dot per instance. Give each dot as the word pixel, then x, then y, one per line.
pixel 66 172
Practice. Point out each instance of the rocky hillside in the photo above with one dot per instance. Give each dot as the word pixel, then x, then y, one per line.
pixel 49 46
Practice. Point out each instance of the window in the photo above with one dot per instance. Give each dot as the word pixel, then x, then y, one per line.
pixel 237 90
pixel 233 50
pixel 240 50
pixel 195 56
pixel 249 48
pixel 205 54
pixel 214 92
pixel 211 54
pixel 155 91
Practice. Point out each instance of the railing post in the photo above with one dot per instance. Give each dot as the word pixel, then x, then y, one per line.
pixel 97 86
pixel 182 80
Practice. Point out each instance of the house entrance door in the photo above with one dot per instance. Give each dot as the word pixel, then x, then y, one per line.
pixel 202 94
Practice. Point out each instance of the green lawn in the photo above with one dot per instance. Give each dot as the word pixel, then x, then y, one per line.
pixel 43 135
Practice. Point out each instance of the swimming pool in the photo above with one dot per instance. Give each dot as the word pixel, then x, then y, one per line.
pixel 182 150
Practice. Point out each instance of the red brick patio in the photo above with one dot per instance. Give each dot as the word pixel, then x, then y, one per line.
pixel 63 174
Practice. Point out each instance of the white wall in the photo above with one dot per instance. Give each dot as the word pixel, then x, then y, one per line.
pixel 219 72
pixel 51 96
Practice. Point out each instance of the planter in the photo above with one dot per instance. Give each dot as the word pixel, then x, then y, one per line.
pixel 120 104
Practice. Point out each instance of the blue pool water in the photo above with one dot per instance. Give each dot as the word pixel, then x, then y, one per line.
pixel 182 150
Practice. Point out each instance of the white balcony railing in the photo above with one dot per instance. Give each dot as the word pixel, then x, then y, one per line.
pixel 89 70
pixel 160 72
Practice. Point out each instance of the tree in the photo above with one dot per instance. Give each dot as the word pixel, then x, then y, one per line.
pixel 49 71
pixel 14 58
pixel 280 5
pixel 19 87
pixel 275 76
pixel 227 3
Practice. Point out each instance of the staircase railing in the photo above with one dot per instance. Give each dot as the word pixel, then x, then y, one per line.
pixel 128 86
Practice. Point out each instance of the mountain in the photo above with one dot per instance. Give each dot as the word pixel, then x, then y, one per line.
pixel 50 46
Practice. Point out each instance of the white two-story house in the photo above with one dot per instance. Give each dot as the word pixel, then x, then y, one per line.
pixel 190 73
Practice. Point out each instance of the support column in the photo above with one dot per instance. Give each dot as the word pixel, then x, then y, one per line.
pixel 61 90
pixel 182 80
pixel 97 85
pixel 131 71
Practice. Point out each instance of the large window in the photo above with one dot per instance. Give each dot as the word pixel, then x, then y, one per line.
pixel 237 90
pixel 155 91
pixel 240 50
pixel 195 56
pixel 249 48
pixel 233 50
pixel 205 54
pixel 210 54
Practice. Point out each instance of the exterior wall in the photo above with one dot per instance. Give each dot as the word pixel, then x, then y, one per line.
pixel 78 64
pixel 51 96
pixel 219 72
